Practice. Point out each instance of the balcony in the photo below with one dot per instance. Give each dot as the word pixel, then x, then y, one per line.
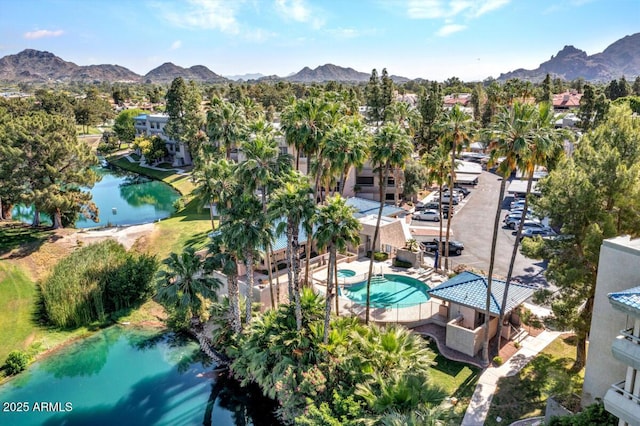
pixel 626 349
pixel 622 404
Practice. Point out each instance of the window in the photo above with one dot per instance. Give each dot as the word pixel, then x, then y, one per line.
pixel 390 197
pixel 391 181
pixel 364 180
pixel 284 150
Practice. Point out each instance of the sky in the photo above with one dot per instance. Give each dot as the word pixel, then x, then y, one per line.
pixel 431 39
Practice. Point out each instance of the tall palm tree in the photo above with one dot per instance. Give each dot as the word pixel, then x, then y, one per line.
pixel 346 147
pixel 509 139
pixel 337 227
pixel 185 287
pixel 456 131
pixel 251 231
pixel 544 146
pixel 226 126
pixel 259 171
pixel 438 162
pixel 391 148
pixel 294 201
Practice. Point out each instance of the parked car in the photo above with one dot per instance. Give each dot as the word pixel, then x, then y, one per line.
pixel 434 205
pixel 432 215
pixel 455 247
pixel 456 193
pixel 518 210
pixel 514 217
pixel 528 223
pixel 516 203
pixel 465 191
pixel 532 232
pixel 445 198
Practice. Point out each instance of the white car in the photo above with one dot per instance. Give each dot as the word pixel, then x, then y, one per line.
pixel 532 232
pixel 516 204
pixel 432 215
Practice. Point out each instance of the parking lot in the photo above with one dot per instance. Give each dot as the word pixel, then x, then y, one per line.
pixel 472 224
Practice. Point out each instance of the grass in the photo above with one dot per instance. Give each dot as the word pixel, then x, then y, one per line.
pixel 21 237
pixel 182 183
pixel 548 374
pixel 456 378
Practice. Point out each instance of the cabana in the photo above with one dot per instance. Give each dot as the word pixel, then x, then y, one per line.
pixel 464 299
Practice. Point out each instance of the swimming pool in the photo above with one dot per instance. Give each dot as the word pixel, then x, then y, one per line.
pixel 345 273
pixel 390 290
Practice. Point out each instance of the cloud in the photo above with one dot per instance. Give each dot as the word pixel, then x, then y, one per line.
pixel 203 14
pixel 176 45
pixel 299 11
pixel 442 9
pixel 32 35
pixel 450 29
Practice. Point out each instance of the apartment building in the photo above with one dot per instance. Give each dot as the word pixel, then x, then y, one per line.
pixel 153 125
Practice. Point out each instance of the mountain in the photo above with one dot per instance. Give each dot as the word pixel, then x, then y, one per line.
pixel 328 72
pixel 245 77
pixel 38 66
pixel 620 58
pixel 166 72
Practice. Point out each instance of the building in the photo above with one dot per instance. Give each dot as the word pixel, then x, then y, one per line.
pixel 566 101
pixel 153 125
pixel 613 358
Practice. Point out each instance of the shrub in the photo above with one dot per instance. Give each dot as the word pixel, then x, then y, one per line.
pixel 497 360
pixel 380 256
pixel 16 362
pixel 179 204
pixel 94 281
pixel 402 263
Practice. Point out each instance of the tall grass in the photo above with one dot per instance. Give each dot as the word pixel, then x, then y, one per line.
pixel 94 281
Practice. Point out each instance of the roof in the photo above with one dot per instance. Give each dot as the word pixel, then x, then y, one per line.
pixel 366 207
pixel 470 290
pixel 627 300
pixel 280 241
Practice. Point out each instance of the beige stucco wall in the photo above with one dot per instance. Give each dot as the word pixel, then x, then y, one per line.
pixel 618 269
pixel 391 233
pixel 468 314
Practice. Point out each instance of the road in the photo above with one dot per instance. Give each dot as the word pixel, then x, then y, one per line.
pixel 473 225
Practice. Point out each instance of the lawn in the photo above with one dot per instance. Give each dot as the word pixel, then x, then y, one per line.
pixel 182 183
pixel 456 378
pixel 525 394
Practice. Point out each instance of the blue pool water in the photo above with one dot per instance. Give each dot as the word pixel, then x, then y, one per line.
pixel 390 291
pixel 345 273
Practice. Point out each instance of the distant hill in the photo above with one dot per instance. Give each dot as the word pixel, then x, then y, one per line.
pixel 245 77
pixel 38 66
pixel 620 58
pixel 328 72
pixel 168 71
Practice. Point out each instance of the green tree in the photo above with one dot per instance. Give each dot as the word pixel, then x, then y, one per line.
pixel 593 108
pixel 373 96
pixel 183 108
pixel 546 95
pixel 390 149
pixel 416 178
pixel 293 200
pixel 123 125
pixel 438 163
pixel 592 196
pixel 510 136
pixel 430 106
pixel 456 131
pixel 337 227
pixel 544 148
pixel 226 127
pixel 346 147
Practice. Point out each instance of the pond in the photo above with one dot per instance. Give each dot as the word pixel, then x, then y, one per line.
pixel 123 376
pixel 123 198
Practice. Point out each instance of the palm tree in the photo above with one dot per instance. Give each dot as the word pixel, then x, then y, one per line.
pixel 390 149
pixel 456 131
pixel 184 285
pixel 259 171
pixel 509 139
pixel 226 126
pixel 346 147
pixel 337 227
pixel 294 201
pixel 543 147
pixel 438 163
pixel 249 228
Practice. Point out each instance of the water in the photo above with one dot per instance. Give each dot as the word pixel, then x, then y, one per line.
pixel 130 377
pixel 390 290
pixel 123 198
pixel 345 273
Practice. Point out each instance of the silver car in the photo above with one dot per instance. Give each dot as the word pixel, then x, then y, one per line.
pixel 432 215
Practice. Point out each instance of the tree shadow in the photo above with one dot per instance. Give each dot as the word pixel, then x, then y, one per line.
pixel 23 239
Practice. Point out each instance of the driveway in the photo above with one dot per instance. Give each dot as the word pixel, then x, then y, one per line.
pixel 473 225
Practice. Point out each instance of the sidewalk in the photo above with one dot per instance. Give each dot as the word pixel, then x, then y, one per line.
pixel 487 383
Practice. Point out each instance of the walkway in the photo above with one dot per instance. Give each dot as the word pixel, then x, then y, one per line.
pixel 177 171
pixel 487 383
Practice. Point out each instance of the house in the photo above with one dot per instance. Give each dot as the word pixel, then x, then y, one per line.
pixel 566 101
pixel 613 357
pixel 463 307
pixel 153 125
